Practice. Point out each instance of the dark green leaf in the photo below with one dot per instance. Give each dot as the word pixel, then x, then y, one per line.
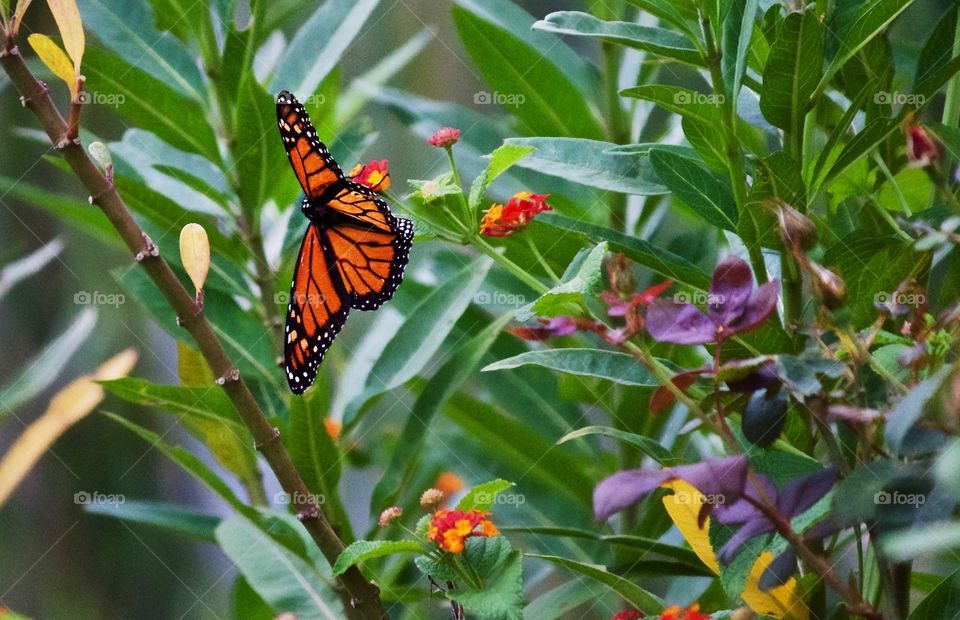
pixel 167 516
pixel 646 445
pixel 706 194
pixel 793 71
pixel 614 366
pixel 630 592
pixel 364 550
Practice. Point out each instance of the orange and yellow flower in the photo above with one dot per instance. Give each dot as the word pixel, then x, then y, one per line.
pixel 690 613
pixel 450 528
pixel 502 220
pixel 373 175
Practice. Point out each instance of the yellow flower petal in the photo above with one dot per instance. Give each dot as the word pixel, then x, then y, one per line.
pixel 56 60
pixel 68 407
pixel 67 16
pixel 684 509
pixel 779 602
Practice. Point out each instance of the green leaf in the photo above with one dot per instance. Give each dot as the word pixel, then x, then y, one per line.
pixel 793 71
pixel 319 44
pixel 364 550
pixel 925 540
pixel 402 469
pixel 425 329
pixel 188 462
pixel 559 601
pixel 677 13
pixel 40 371
pixel 501 569
pixel 126 27
pixel 657 259
pixel 630 592
pixel 150 103
pixel 706 194
pixel 507 15
pixel 738 29
pixel 909 191
pixel 905 414
pixel 657 41
pixel 258 163
pixel 612 365
pixel 283 579
pixel 20 269
pixel 591 163
pixel 166 516
pixel 854 25
pixel 543 98
pixel 192 22
pixel 65 208
pixel 483 496
pixel 584 278
pixel 681 101
pixel 646 445
pixel 943 603
pixel 501 160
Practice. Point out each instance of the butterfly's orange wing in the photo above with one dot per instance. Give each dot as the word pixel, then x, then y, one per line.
pixel 368 246
pixel 315 314
pixel 315 168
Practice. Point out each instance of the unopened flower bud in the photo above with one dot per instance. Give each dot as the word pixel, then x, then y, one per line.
pixel 431 497
pixel 829 287
pixel 797 230
pixel 388 515
pixel 620 275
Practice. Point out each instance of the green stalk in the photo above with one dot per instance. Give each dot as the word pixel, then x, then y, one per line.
pixel 467 219
pixel 524 276
pixel 951 107
pixel 540 259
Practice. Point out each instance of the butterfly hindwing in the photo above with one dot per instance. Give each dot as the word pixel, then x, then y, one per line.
pixel 316 311
pixel 315 168
pixel 370 247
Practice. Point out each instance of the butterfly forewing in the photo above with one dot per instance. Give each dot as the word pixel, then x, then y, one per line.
pixel 315 313
pixel 315 168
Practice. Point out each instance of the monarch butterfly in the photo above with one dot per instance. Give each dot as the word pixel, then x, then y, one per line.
pixel 352 256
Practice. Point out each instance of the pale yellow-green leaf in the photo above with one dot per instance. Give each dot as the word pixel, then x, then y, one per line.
pixel 684 508
pixel 67 407
pixel 22 6
pixel 782 601
pixel 55 58
pixel 192 367
pixel 195 253
pixel 101 154
pixel 67 16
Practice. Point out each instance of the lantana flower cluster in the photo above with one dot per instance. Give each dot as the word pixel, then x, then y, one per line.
pixel 451 528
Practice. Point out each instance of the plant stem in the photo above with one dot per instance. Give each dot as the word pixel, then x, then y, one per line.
pixel 540 259
pixel 360 598
pixel 467 218
pixel 524 276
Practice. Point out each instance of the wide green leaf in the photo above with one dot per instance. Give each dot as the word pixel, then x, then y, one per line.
pixel 646 445
pixel 591 163
pixel 705 193
pixel 483 496
pixel 364 550
pixel 611 365
pixel 657 41
pixel 319 45
pixel 171 517
pixel 583 279
pixel 126 27
pixel 793 71
pixel 501 160
pixel 537 93
pixel 630 592
pixel 657 259
pixel 943 603
pixel 283 579
pixel 150 103
pixel 427 326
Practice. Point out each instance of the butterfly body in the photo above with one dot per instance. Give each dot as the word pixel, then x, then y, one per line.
pixel 353 253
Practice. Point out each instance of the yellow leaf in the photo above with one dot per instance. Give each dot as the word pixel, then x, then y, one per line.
pixel 55 59
pixel 68 406
pixel 67 16
pixel 684 509
pixel 192 367
pixel 195 253
pixel 779 602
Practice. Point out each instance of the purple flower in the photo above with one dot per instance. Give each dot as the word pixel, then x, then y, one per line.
pixel 734 306
pixel 718 477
